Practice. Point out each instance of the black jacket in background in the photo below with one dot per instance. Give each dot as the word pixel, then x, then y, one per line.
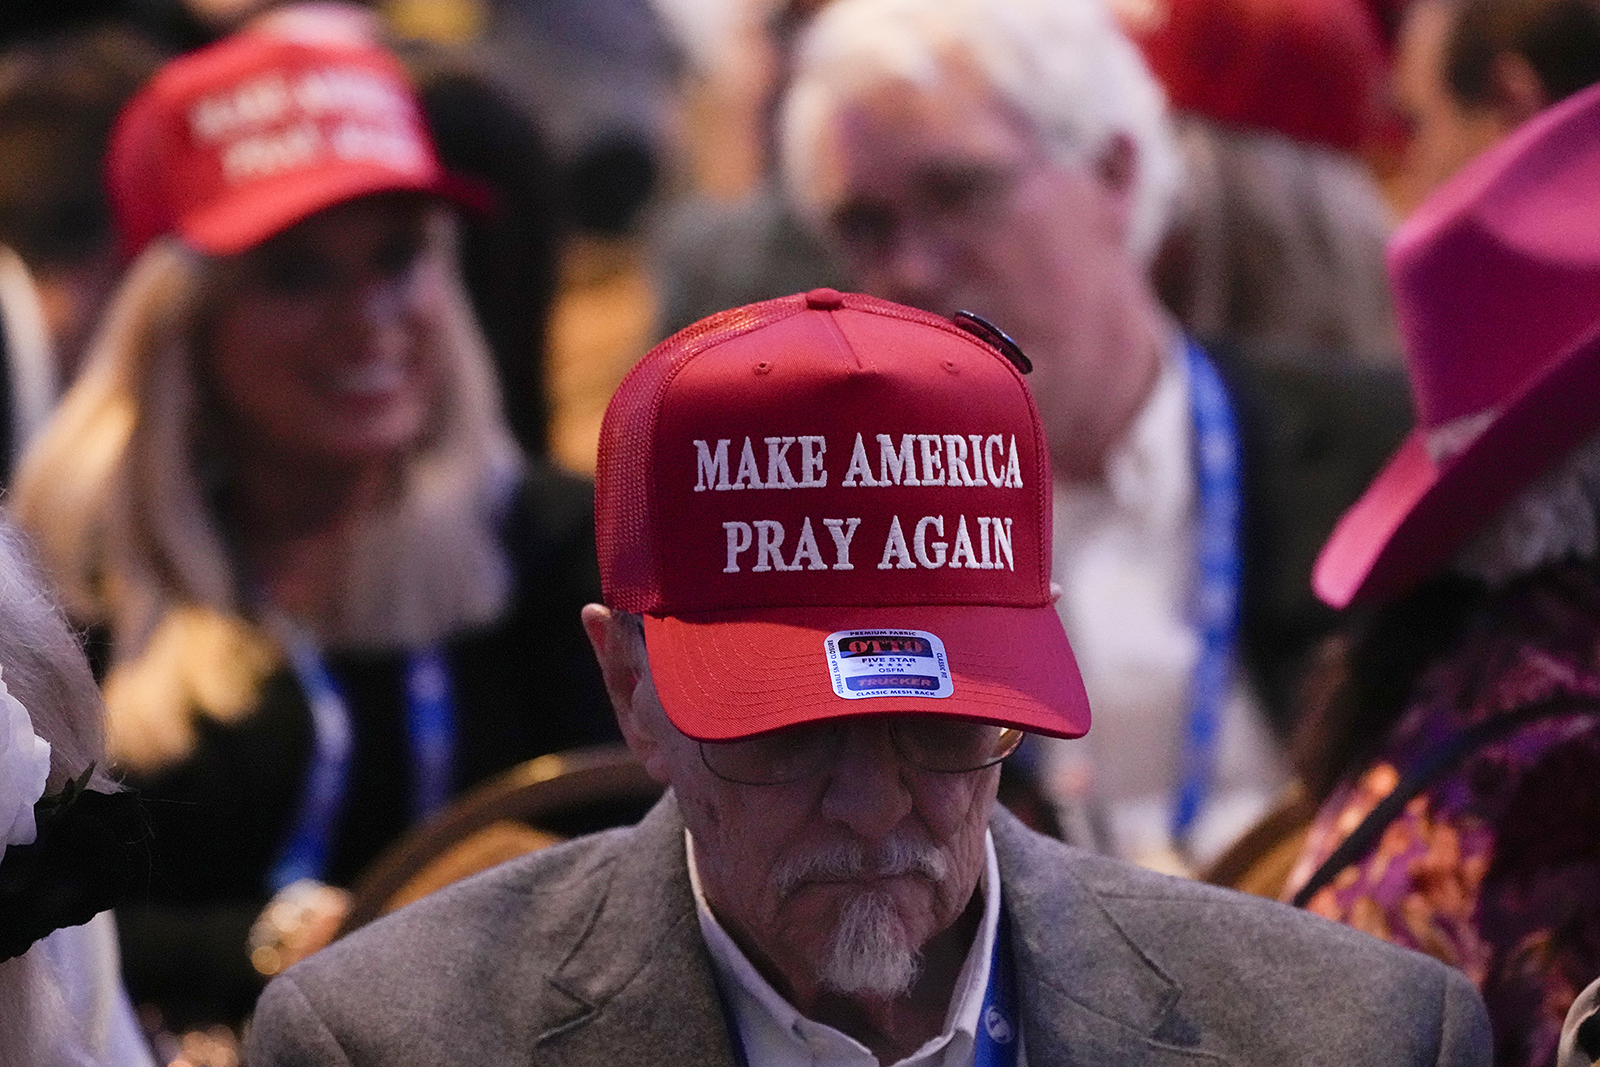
pixel 1314 430
pixel 524 687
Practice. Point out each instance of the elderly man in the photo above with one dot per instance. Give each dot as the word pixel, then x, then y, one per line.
pixel 824 526
pixel 1013 158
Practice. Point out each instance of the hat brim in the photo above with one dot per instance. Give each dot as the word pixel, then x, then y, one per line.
pixel 1418 513
pixel 239 222
pixel 730 674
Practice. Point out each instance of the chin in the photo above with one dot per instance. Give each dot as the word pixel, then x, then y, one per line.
pixel 375 440
pixel 871 953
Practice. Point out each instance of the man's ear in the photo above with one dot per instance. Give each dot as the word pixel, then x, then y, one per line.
pixel 622 668
pixel 1117 169
pixel 1118 165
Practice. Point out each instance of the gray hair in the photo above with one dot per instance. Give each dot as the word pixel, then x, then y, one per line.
pixel 44 667
pixel 1283 242
pixel 1556 518
pixel 1065 65
pixel 42 664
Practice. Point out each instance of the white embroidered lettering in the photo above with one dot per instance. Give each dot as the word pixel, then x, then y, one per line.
pixel 920 541
pixel 812 474
pixel 955 460
pixel 859 467
pixel 1013 468
pixel 992 443
pixel 778 474
pixel 932 461
pixel 895 546
pixel 739 536
pixel 843 537
pixel 806 548
pixel 711 469
pixel 977 459
pixel 270 153
pixel 1002 543
pixel 769 539
pixel 902 465
pixel 747 469
pixel 963 547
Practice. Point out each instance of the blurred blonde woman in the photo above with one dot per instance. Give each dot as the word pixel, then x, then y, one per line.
pixel 332 592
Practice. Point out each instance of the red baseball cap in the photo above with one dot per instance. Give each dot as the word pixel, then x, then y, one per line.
pixel 829 505
pixel 235 142
pixel 1311 70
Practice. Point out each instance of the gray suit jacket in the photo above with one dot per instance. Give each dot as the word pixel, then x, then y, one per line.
pixel 590 954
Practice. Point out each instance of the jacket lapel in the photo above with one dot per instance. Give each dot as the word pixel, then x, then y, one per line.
pixel 1091 996
pixel 636 986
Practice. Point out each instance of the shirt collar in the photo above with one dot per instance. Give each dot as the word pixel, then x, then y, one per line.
pixel 762 1014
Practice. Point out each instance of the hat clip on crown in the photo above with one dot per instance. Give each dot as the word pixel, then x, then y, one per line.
pixel 1497 288
pixel 831 505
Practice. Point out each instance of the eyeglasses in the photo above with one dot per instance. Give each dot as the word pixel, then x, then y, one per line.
pixel 938 743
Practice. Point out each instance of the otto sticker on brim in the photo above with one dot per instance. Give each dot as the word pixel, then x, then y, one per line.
pixel 887 663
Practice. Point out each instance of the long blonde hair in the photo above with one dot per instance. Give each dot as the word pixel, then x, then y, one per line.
pixel 116 494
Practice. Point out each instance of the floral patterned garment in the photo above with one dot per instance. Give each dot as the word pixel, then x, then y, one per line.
pixel 1495 868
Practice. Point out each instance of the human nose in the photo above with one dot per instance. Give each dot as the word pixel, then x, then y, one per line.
pixel 866 789
pixel 379 308
pixel 912 268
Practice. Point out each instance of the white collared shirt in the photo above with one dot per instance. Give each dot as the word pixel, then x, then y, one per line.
pixel 1125 557
pixel 774 1034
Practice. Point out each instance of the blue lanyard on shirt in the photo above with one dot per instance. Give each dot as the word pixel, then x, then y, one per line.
pixel 1217 589
pixel 430 725
pixel 994 1044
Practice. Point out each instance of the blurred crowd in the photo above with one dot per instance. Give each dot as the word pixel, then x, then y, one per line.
pixel 309 313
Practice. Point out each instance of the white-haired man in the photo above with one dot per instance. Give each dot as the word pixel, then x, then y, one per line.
pixel 1013 158
pixel 824 528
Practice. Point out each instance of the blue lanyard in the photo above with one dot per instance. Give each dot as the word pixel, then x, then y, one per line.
pixel 995 1043
pixel 1216 604
pixel 430 723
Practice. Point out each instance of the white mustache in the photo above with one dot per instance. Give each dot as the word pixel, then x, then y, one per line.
pixel 845 860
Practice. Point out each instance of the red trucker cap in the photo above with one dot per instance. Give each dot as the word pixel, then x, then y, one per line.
pixel 237 141
pixel 829 505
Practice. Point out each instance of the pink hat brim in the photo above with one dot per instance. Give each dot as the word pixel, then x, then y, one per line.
pixel 730 674
pixel 1417 514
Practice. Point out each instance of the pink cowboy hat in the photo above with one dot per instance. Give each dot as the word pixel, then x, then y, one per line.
pixel 1497 287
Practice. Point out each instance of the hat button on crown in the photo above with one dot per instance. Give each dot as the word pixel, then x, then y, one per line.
pixel 824 300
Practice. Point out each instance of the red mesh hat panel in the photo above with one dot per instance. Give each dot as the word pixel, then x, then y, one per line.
pixel 624 521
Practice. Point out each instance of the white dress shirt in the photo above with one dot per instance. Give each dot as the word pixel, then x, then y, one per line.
pixel 1125 558
pixel 774 1034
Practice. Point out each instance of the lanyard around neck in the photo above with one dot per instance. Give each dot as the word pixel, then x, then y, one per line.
pixel 430 727
pixel 1216 597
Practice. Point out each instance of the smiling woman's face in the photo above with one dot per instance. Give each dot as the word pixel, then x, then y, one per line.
pixel 314 344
